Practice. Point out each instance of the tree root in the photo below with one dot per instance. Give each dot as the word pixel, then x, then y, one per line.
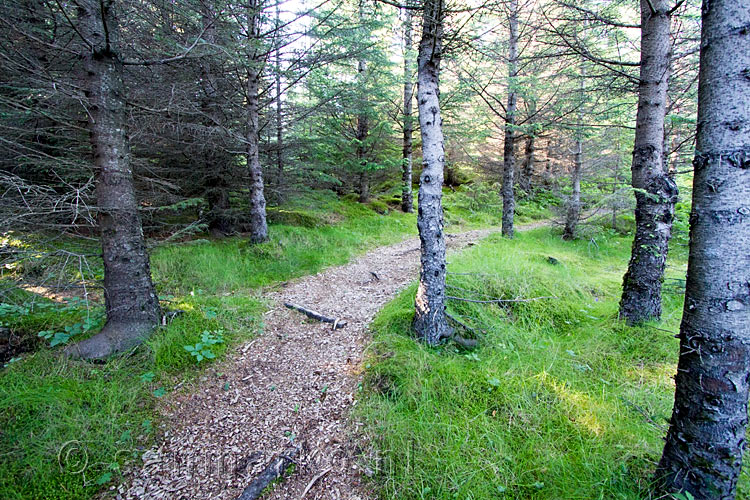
pixel 115 338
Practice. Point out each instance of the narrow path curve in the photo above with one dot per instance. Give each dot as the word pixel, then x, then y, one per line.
pixel 298 380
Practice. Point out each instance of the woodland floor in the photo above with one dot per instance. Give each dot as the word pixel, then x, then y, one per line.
pixel 294 384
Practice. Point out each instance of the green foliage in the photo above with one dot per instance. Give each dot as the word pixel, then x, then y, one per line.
pixel 380 207
pixel 90 324
pixel 52 407
pixel 681 224
pixel 33 318
pixel 343 96
pixel 550 404
pixel 296 218
pixel 479 204
pixel 202 350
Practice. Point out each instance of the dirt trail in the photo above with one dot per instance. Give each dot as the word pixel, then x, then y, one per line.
pixel 297 380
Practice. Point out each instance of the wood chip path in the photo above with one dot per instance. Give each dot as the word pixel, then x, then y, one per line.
pixel 297 381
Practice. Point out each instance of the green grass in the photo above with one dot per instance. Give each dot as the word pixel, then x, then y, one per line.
pixel 65 424
pixel 59 416
pixel 107 410
pixel 345 228
pixel 560 401
pixel 234 264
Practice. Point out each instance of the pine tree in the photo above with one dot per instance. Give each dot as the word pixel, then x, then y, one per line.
pixel 706 437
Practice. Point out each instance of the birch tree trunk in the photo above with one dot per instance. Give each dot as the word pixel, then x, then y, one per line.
pixel 509 157
pixel 706 437
pixel 430 321
pixel 258 225
pixel 655 191
pixel 130 300
pixel 407 198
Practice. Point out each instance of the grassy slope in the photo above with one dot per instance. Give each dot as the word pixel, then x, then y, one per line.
pixel 107 412
pixel 561 400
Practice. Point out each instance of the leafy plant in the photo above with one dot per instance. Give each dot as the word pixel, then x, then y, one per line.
pixel 61 338
pixel 202 350
pixel 683 496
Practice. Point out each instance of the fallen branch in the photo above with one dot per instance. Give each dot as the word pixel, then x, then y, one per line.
pixel 314 480
pixel 498 301
pixel 473 274
pixel 336 322
pixel 273 471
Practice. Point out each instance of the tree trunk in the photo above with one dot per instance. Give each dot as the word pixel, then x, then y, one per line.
pixel 363 127
pixel 279 116
pixel 131 303
pixel 509 157
pixel 706 437
pixel 258 225
pixel 407 198
pixel 655 192
pixel 527 171
pixel 574 203
pixel 216 169
pixel 364 187
pixel 219 206
pixel 430 321
pixel 615 180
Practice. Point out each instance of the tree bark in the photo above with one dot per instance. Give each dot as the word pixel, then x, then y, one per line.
pixel 574 204
pixel 430 321
pixel 615 181
pixel 706 437
pixel 509 157
pixel 527 172
pixel 216 170
pixel 655 191
pixel 131 304
pixel 407 198
pixel 258 224
pixel 279 115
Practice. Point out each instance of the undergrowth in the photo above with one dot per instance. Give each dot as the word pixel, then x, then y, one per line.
pixel 68 427
pixel 344 228
pixel 560 401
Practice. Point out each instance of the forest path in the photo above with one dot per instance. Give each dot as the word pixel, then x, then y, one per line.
pixel 297 379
